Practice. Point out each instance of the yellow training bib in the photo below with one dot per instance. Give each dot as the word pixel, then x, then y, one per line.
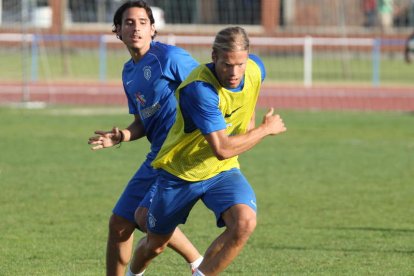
pixel 188 155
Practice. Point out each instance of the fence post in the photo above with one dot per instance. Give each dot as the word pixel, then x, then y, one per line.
pixel 35 59
pixel 102 58
pixel 376 62
pixel 307 61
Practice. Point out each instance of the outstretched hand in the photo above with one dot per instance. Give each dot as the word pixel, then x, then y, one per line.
pixel 105 139
pixel 273 123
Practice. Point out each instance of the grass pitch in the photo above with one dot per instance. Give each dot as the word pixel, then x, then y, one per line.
pixel 335 195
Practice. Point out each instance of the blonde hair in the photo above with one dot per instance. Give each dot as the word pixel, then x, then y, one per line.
pixel 231 39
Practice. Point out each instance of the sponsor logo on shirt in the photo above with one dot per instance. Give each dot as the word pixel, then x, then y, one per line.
pixel 149 111
pixel 140 98
pixel 229 115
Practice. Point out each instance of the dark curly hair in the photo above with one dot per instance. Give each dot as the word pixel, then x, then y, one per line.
pixel 131 4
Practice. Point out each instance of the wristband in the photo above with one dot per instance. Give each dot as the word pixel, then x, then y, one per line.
pixel 122 138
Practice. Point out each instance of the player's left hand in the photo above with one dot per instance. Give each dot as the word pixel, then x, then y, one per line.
pixel 273 122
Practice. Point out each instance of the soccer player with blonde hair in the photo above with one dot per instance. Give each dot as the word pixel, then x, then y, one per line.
pixel 198 160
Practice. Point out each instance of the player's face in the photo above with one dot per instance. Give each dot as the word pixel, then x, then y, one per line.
pixel 136 30
pixel 230 67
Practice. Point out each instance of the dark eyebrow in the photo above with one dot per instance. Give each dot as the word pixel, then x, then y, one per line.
pixel 139 19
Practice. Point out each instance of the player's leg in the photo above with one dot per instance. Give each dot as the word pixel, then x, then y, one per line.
pixel 183 246
pixel 146 250
pixel 233 201
pixel 152 245
pixel 119 245
pixel 122 222
pixel 178 242
pixel 170 206
pixel 240 223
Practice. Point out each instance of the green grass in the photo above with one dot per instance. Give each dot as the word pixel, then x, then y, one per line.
pixel 335 195
pixel 287 68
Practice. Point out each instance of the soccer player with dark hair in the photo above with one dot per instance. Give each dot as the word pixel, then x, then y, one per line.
pixel 149 78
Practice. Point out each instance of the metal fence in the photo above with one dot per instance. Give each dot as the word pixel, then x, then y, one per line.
pixel 310 44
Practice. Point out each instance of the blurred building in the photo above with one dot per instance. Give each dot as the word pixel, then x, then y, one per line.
pixel 182 16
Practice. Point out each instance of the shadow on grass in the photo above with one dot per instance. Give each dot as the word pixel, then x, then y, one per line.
pixel 354 250
pixel 372 229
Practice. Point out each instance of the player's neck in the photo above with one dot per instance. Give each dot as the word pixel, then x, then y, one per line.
pixel 138 53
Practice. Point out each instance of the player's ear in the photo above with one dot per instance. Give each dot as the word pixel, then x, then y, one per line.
pixel 152 30
pixel 214 56
pixel 118 32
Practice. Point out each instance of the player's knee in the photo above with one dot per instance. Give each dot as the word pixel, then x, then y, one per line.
pixel 155 249
pixel 159 249
pixel 246 226
pixel 120 229
pixel 155 244
pixel 240 221
pixel 243 227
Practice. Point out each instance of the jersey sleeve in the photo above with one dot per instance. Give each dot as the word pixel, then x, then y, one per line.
pixel 259 62
pixel 199 105
pixel 179 64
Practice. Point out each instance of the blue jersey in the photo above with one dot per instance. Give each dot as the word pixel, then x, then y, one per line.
pixel 200 110
pixel 149 86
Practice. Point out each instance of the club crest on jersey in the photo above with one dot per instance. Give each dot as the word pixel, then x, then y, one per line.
pixel 147 72
pixel 140 98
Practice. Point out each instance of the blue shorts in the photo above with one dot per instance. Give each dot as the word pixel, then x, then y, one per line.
pixel 138 192
pixel 174 198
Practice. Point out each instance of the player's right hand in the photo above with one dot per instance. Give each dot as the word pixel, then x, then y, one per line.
pixel 105 139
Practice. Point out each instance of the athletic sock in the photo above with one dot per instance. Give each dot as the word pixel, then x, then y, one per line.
pixel 130 273
pixel 196 263
pixel 197 272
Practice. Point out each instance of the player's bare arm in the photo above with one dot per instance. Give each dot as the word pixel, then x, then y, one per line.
pixel 134 131
pixel 225 146
pixel 106 139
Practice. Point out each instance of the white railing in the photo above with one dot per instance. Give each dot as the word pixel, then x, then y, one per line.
pixel 307 42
